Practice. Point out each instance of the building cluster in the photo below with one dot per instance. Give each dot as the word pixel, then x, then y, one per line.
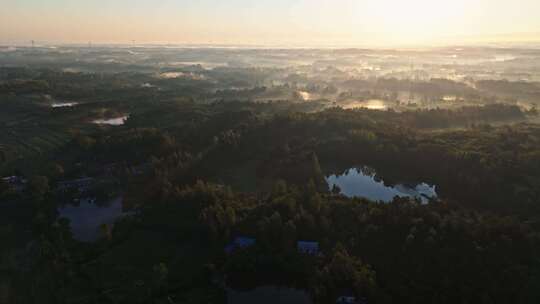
pixel 16 183
pixel 310 248
pixel 304 247
pixel 80 185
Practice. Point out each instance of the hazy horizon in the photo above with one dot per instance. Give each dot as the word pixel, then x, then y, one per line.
pixel 507 40
pixel 342 23
pixel 269 151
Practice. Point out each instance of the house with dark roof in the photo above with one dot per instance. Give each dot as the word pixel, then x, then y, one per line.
pixel 16 183
pixel 310 248
pixel 348 297
pixel 240 242
pixel 81 184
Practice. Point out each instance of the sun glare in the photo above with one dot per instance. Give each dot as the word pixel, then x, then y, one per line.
pixel 414 20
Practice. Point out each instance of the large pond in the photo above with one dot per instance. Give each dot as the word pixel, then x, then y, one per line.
pixel 87 217
pixel 356 182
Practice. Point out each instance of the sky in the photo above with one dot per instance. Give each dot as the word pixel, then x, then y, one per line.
pixel 269 22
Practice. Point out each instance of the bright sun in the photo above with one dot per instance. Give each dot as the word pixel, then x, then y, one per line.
pixel 414 20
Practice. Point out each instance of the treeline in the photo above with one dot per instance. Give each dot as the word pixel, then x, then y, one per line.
pixel 435 88
pixel 488 167
pixel 510 88
pixel 493 168
pixel 403 251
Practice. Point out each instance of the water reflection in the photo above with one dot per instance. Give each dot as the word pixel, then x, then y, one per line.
pixel 362 183
pixel 87 217
pixel 118 121
pixel 372 104
pixel 64 104
pixel 304 95
pixel 171 75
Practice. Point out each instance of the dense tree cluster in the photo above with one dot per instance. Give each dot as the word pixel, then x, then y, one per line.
pixel 195 175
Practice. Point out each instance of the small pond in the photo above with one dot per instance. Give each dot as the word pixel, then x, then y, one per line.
pixel 147 85
pixel 361 183
pixel 64 104
pixel 118 121
pixel 372 104
pixel 87 217
pixel 304 95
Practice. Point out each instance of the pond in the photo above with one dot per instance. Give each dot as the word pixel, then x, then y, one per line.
pixel 362 183
pixel 118 121
pixel 64 104
pixel 304 95
pixel 268 295
pixel 171 75
pixel 147 85
pixel 87 217
pixel 372 104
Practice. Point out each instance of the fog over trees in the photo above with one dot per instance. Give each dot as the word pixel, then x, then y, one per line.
pixel 149 174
